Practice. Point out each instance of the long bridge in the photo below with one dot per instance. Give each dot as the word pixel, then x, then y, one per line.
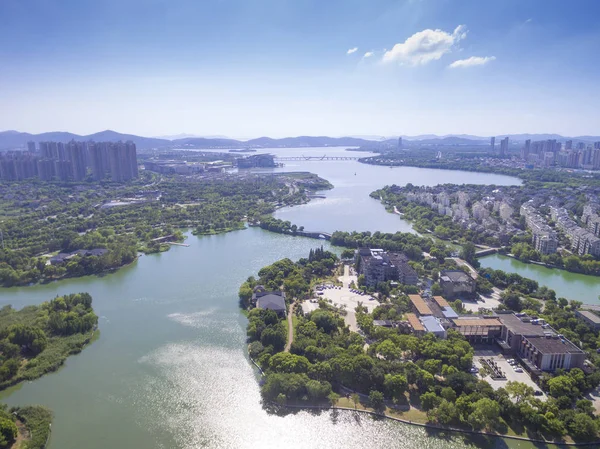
pixel 316 158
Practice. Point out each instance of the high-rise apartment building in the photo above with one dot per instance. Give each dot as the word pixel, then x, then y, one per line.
pixel 493 143
pixel 31 147
pixel 70 161
pixel 504 146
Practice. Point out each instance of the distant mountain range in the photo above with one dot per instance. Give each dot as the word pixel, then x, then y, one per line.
pixel 16 139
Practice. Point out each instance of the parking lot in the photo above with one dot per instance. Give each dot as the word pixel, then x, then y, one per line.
pixel 502 363
pixel 344 298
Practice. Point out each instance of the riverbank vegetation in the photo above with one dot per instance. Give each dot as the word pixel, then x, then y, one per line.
pixel 36 420
pixel 37 339
pixel 43 220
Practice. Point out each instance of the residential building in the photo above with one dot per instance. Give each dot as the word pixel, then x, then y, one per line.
pixel 504 146
pixel 493 143
pixel 456 283
pixel 31 147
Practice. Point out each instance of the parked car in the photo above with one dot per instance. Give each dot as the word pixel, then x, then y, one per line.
pixel 538 393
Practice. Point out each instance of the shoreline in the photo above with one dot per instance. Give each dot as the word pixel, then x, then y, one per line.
pixel 437 427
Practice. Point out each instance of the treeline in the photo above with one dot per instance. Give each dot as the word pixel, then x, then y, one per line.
pixel 294 277
pixel 279 226
pixel 410 244
pixel 37 339
pixel 577 264
pixel 16 268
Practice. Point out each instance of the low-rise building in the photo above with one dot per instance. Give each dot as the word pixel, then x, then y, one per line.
pixel 537 344
pixel 551 352
pixel 478 329
pixel 590 318
pixel 271 300
pixel 456 283
pixel 419 305
pixel 433 326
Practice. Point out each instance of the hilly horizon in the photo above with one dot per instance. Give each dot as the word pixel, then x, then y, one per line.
pixel 12 139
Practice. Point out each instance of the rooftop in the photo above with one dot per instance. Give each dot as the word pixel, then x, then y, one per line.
pixel 478 322
pixel 455 276
pixel 414 322
pixel 517 326
pixel 441 301
pixel 420 305
pixel 272 302
pixel 553 345
pixel 449 312
pixel 590 316
pixel 432 324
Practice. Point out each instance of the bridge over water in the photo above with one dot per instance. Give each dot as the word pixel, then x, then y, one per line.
pixel 316 158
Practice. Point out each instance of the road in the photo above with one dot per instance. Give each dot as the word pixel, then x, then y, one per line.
pixel 347 278
pixel 460 261
pixel 290 320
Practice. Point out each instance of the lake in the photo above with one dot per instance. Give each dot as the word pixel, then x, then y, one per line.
pixel 170 369
pixel 567 285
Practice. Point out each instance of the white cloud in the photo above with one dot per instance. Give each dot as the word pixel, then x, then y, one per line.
pixel 425 46
pixel 352 50
pixel 368 54
pixel 472 61
pixel 529 20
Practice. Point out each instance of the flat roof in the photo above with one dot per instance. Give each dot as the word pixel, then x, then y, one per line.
pixel 414 322
pixel 420 305
pixel 590 316
pixel 478 322
pixel 441 301
pixel 553 345
pixel 514 324
pixel 432 324
pixel 449 312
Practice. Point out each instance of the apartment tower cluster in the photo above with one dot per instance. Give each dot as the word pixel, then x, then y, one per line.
pixel 71 161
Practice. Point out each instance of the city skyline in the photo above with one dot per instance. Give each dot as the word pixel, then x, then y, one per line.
pixel 246 69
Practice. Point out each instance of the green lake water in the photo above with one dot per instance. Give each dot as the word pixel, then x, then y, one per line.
pixel 170 369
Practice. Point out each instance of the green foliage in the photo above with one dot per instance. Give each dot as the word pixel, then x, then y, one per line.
pixel 376 400
pixel 37 339
pixel 37 419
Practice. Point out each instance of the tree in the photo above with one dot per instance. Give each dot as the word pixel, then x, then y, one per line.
pixel 429 401
pixel 395 386
pixel 485 414
pixel 583 427
pixel 376 400
pixel 8 432
pixel 355 399
pixel 445 413
pixel 468 253
pixel 519 391
pixel 388 349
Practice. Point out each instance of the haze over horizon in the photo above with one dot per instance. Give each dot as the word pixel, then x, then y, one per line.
pixel 277 68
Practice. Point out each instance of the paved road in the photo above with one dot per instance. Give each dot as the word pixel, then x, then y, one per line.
pixel 460 261
pixel 347 278
pixel 290 317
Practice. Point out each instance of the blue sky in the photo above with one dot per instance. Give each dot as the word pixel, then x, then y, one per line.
pixel 247 68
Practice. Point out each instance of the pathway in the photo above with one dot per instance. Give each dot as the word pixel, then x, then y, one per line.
pixel 290 320
pixel 460 261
